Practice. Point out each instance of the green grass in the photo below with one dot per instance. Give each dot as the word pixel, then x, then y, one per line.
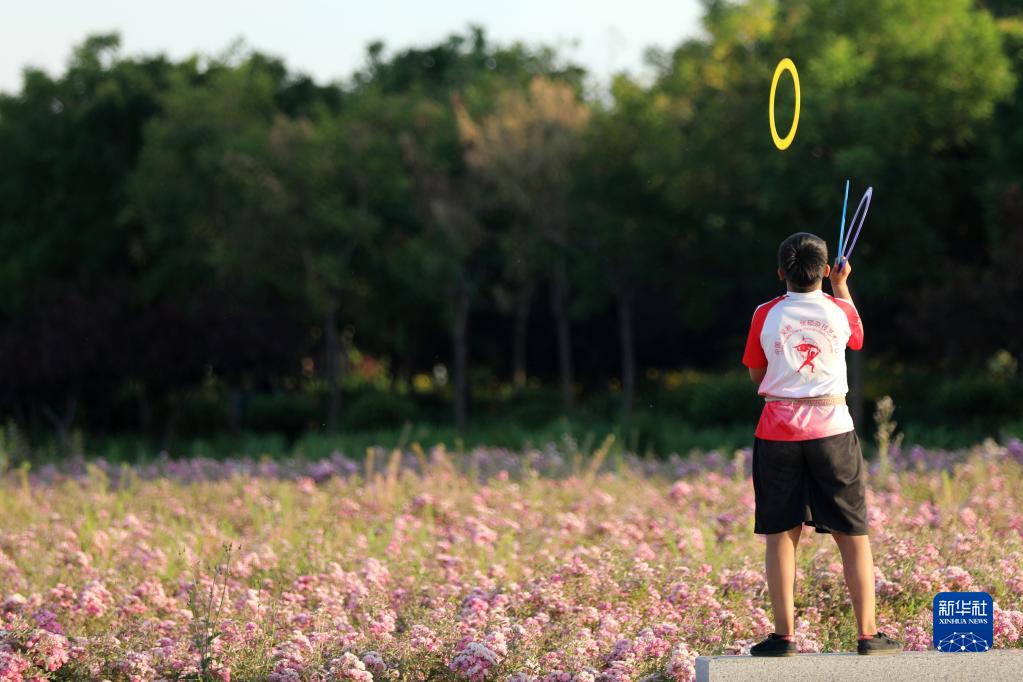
pixel 654 435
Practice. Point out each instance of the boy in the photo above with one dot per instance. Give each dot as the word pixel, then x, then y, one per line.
pixel 807 463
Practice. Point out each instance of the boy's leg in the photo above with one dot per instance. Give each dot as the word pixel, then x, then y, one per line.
pixel 780 560
pixel 858 566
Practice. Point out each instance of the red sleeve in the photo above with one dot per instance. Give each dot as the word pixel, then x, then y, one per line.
pixel 754 356
pixel 855 323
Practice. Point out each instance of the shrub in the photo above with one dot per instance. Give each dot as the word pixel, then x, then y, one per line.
pixel 724 400
pixel 202 413
pixel 978 398
pixel 288 413
pixel 710 400
pixel 532 406
pixel 378 409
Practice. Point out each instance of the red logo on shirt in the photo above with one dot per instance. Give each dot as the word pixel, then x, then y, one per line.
pixel 809 350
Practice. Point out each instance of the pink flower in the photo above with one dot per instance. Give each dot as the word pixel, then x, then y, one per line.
pixel 495 641
pixel 384 623
pixel 969 518
pixel 682 664
pixel 94 599
pixel 63 596
pixel 680 491
pixel 648 645
pixel 151 592
pixel 375 573
pixel 423 639
pixel 348 668
pixel 619 670
pixel 957 579
pixel 556 676
pixel 292 653
pixel 47 620
pixel 374 661
pixel 48 650
pixel 474 661
pixel 691 541
pixel 917 638
pixel 12 665
pixel 804 637
pixel 137 667
pixel 13 604
pixel 1008 625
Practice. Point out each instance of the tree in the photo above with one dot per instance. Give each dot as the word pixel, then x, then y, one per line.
pixel 447 202
pixel 527 148
pixel 317 194
pixel 412 95
pixel 67 146
pixel 625 226
pixel 200 191
pixel 877 99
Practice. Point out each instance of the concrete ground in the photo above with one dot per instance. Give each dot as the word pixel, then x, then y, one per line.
pixel 990 666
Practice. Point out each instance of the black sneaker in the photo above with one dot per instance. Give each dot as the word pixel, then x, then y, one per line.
pixel 774 645
pixel 880 643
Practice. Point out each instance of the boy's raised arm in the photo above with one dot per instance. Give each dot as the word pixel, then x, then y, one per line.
pixel 838 278
pixel 840 288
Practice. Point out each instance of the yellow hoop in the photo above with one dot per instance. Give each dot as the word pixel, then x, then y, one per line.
pixel 779 142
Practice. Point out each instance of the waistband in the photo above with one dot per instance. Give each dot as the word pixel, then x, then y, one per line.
pixel 816 400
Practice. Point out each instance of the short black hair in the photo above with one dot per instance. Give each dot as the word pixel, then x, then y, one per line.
pixel 802 257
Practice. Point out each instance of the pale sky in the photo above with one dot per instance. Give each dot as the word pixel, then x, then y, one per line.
pixel 327 40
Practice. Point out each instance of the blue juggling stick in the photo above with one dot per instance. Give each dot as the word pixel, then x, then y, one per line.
pixel 841 231
pixel 864 206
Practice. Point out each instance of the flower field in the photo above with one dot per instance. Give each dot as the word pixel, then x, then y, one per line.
pixel 485 565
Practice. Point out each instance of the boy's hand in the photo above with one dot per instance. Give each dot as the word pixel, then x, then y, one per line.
pixel 839 276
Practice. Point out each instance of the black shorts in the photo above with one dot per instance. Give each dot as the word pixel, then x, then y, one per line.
pixel 819 482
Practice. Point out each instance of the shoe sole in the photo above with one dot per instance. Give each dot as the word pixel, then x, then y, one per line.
pixel 777 655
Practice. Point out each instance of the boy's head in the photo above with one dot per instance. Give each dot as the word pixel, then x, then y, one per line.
pixel 803 261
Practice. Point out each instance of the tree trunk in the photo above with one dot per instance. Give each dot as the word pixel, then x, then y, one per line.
pixel 235 412
pixel 145 414
pixel 62 422
pixel 394 379
pixel 523 298
pixel 559 307
pixel 170 424
pixel 405 372
pixel 332 351
pixel 399 359
pixel 628 359
pixel 460 335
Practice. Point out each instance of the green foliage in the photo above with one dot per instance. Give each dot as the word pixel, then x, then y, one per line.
pixel 977 397
pixel 203 413
pixel 710 400
pixel 170 227
pixel 290 414
pixel 377 409
pixel 531 407
pixel 877 97
pixel 973 402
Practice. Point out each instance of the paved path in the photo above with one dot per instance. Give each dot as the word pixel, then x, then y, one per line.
pixel 989 666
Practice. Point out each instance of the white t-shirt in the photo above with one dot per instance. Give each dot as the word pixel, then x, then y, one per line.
pixel 801 337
